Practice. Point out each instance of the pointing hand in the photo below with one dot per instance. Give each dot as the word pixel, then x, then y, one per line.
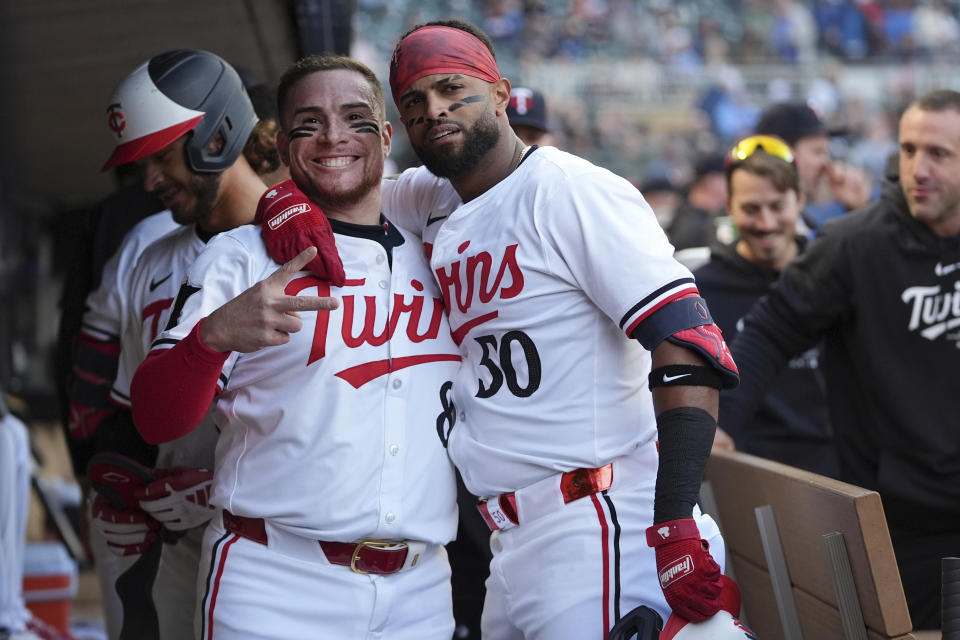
pixel 263 315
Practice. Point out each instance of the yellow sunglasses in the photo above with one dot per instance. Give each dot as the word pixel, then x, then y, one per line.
pixel 768 144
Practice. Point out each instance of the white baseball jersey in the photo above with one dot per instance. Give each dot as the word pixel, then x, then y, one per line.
pixel 154 284
pixel 333 435
pixel 107 306
pixel 544 276
pixel 14 499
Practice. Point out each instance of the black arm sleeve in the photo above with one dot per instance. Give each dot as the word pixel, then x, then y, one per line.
pixel 685 437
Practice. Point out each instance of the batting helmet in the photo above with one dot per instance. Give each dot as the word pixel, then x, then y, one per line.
pixel 723 625
pixel 176 92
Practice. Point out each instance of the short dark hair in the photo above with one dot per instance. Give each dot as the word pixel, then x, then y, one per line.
pixel 314 64
pixel 463 25
pixel 939 100
pixel 782 174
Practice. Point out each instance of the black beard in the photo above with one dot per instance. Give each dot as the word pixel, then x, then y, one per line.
pixel 448 162
pixel 204 187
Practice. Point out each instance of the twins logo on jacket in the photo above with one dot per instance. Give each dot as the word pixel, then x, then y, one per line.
pixel 935 309
pixel 355 388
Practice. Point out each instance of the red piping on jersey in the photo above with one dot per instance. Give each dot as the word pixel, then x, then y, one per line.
pixel 676 296
pixel 363 373
pixel 173 388
pixel 216 586
pixel 604 539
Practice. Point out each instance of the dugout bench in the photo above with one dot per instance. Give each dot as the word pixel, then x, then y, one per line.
pixel 812 555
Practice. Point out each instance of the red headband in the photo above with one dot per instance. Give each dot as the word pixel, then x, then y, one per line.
pixel 437 49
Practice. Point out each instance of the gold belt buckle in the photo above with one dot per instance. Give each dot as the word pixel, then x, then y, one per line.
pixel 376 544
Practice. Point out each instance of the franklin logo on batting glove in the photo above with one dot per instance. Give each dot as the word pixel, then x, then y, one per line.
pixel 676 571
pixel 275 222
pixel 308 227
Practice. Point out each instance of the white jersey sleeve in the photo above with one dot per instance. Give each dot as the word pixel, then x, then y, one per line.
pixel 108 305
pixel 597 227
pixel 230 264
pixel 154 284
pixel 419 201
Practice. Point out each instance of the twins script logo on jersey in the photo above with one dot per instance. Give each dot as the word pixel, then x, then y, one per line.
pixel 409 312
pixel 275 222
pixel 467 281
pixel 933 311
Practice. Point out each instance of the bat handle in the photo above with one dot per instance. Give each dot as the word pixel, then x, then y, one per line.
pixel 950 598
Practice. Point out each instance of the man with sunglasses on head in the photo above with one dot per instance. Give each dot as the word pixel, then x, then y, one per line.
pixel 882 286
pixel 765 202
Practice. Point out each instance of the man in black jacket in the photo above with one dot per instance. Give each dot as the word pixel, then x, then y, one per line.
pixel 882 286
pixel 765 202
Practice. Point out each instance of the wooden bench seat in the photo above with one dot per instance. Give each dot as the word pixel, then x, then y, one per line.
pixel 822 544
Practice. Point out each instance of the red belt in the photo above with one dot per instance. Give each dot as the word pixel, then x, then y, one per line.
pixel 574 485
pixel 368 556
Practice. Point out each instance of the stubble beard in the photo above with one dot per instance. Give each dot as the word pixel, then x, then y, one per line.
pixel 452 163
pixel 204 187
pixel 341 199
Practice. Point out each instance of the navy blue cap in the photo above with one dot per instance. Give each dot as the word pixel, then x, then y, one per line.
pixel 792 121
pixel 527 108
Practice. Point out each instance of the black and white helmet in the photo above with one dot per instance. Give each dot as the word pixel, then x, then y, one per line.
pixel 176 92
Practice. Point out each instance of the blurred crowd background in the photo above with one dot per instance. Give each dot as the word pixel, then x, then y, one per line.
pixel 645 88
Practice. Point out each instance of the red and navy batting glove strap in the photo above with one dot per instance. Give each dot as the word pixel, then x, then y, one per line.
pixel 688 574
pixel 291 223
pixel 707 340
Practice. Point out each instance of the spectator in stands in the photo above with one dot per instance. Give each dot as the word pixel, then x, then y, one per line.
pixel 791 424
pixel 693 224
pixel 882 285
pixel 662 197
pixel 843 29
pixel 527 112
pixel 830 188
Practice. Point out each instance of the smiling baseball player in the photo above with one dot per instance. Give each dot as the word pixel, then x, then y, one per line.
pixel 334 494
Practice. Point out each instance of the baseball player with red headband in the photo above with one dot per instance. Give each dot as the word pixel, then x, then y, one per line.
pixel 334 495
pixel 584 343
pixel 193 129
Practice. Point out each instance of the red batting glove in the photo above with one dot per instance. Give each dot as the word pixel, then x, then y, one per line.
pixel 689 576
pixel 179 498
pixel 291 223
pixel 127 532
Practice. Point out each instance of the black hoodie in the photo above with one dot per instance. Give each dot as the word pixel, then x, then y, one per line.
pixel 884 290
pixel 791 424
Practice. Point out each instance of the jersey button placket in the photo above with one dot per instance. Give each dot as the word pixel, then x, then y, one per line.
pixel 395 418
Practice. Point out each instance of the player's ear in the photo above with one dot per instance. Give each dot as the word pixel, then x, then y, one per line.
pixel 387 137
pixel 500 91
pixel 283 146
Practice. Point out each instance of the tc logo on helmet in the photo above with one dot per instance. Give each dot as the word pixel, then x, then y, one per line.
pixel 115 119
